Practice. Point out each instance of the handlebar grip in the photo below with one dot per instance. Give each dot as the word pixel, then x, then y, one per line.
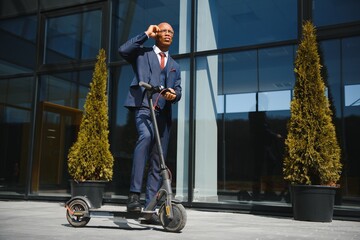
pixel 145 85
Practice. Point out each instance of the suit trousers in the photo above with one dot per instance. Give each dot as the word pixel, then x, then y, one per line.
pixel 146 151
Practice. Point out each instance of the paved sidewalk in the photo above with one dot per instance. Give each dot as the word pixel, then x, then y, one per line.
pixel 46 220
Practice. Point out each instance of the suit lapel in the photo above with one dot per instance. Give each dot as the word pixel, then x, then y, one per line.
pixel 154 63
pixel 169 66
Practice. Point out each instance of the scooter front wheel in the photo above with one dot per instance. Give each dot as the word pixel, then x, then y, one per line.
pixel 178 222
pixel 77 212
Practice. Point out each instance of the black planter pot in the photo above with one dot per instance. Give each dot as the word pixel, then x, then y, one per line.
pixel 93 190
pixel 313 202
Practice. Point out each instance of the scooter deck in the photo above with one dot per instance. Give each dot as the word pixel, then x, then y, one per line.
pixel 119 213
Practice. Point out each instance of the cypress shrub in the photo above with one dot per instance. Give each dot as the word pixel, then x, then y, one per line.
pixel 312 152
pixel 89 157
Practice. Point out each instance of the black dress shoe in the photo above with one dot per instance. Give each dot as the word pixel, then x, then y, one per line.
pixel 134 204
pixel 154 220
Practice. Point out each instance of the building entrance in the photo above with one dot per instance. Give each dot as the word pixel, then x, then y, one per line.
pixel 56 131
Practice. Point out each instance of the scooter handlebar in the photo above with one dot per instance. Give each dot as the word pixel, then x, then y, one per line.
pixel 149 87
pixel 145 85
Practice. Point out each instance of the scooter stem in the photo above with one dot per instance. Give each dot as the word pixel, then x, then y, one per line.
pixel 156 130
pixel 165 188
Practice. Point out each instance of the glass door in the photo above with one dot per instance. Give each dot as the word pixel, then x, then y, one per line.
pixel 58 126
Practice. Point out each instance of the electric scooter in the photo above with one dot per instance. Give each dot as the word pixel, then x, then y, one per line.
pixel 171 213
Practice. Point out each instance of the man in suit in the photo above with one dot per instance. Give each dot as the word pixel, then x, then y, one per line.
pixel 155 66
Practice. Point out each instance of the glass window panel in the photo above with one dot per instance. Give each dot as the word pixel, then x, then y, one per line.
pixel 237 103
pixel 18 39
pixel 352 95
pixel 18 7
pixel 276 68
pixel 85 77
pixel 351 60
pixel 207 78
pixel 180 138
pixel 232 23
pixel 350 73
pixel 132 18
pixel 20 92
pixel 63 88
pixel 234 153
pixel 330 57
pixel 239 73
pixel 329 12
pixel 17 93
pixel 49 4
pixel 59 91
pixel 73 37
pixel 220 104
pixel 16 101
pixel 273 101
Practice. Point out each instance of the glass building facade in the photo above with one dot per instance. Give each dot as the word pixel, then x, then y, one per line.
pixel 237 60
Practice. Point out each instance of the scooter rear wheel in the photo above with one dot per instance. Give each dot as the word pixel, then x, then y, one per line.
pixel 77 213
pixel 179 220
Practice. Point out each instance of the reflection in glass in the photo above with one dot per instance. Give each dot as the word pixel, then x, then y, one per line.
pixel 352 95
pixel 58 120
pixel 274 101
pixel 267 147
pixel 223 24
pixel 46 4
pixel 331 12
pixel 330 56
pixel 66 89
pixel 20 34
pixel 16 101
pixel 59 127
pixel 206 151
pixel 253 106
pixel 18 7
pixel 276 68
pixel 132 18
pixel 220 104
pixel 351 60
pixel 351 73
pixel 239 72
pixel 73 37
pixel 59 91
pixel 181 126
pixel 237 103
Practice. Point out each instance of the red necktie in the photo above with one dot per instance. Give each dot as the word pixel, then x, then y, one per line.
pixel 162 60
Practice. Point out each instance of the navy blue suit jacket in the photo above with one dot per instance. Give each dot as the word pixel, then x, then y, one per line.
pixel 146 67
